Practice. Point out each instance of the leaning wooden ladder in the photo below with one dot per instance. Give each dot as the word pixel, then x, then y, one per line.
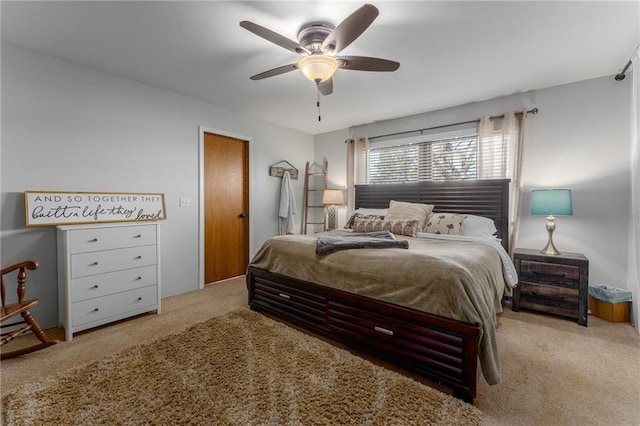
pixel 313 193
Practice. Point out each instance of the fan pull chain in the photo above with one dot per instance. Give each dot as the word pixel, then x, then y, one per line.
pixel 318 101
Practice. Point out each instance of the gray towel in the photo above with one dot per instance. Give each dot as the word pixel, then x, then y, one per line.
pixel 380 239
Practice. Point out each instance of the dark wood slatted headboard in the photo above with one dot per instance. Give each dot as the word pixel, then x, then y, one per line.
pixel 488 198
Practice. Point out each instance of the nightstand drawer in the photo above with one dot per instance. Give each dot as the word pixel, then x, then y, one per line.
pixel 546 290
pixel 551 299
pixel 562 307
pixel 550 273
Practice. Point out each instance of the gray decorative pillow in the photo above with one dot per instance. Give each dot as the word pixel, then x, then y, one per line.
pixel 399 227
pixel 445 223
pixel 401 210
pixel 356 215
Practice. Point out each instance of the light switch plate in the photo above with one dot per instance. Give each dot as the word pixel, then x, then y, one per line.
pixel 185 202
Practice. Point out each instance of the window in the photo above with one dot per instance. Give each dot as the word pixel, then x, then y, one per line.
pixel 451 155
pixel 396 164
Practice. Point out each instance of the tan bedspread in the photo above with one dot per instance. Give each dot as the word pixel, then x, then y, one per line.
pixel 454 279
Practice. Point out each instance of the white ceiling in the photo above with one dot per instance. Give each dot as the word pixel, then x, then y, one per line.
pixel 450 52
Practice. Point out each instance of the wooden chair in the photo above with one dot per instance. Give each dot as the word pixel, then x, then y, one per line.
pixel 21 307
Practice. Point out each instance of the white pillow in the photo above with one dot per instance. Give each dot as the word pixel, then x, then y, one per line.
pixel 444 223
pixel 478 226
pixel 401 210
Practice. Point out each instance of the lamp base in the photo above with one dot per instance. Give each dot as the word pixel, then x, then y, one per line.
pixel 331 217
pixel 550 249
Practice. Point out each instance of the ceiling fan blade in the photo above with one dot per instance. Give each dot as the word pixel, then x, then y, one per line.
pixel 326 87
pixel 364 63
pixel 274 37
pixel 350 29
pixel 275 71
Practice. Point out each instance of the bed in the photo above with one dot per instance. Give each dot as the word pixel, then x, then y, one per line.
pixel 432 344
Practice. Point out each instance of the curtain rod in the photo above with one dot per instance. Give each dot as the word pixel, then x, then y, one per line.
pixel 533 111
pixel 622 74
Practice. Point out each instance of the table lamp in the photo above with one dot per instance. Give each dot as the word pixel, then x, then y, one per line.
pixel 551 203
pixel 331 198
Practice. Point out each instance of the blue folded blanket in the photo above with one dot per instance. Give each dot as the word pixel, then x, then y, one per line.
pixel 380 239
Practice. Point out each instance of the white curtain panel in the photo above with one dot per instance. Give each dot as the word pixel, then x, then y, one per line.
pixel 516 181
pixel 634 242
pixel 500 147
pixel 357 168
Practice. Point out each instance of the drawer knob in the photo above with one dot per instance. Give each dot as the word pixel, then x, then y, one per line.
pixel 95 286
pixel 138 257
pixel 137 236
pixel 383 330
pixel 94 264
pixel 139 299
pixel 139 278
pixel 93 240
pixel 96 309
pixel 286 296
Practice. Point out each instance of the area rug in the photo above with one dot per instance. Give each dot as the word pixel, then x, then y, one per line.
pixel 238 369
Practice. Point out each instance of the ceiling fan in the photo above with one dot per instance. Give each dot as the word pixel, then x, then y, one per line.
pixel 319 42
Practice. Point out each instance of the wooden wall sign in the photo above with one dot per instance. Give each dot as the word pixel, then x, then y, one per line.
pixel 66 208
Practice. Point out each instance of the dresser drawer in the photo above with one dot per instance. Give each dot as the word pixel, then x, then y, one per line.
pixel 550 273
pixel 97 239
pixel 100 262
pixel 113 282
pixel 98 309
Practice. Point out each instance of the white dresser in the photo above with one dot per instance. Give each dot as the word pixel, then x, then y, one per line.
pixel 107 272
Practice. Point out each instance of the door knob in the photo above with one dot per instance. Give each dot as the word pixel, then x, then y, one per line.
pixel 242 215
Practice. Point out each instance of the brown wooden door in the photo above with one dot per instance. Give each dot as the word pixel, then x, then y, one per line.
pixel 226 207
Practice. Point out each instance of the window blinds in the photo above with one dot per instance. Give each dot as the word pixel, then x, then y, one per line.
pixel 450 155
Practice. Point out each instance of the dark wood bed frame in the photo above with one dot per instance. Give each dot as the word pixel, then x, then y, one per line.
pixel 438 348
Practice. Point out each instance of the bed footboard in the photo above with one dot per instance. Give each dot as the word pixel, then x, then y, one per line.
pixel 438 348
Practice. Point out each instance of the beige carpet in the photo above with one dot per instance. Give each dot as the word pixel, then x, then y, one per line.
pixel 241 368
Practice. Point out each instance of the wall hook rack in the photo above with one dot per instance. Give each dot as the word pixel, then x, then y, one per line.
pixel 277 170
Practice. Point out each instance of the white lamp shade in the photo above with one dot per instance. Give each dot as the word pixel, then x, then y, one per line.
pixel 318 68
pixel 333 197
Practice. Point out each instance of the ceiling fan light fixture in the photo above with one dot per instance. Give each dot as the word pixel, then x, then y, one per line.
pixel 318 68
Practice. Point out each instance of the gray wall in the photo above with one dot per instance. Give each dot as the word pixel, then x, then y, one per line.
pixel 336 164
pixel 71 128
pixel 579 140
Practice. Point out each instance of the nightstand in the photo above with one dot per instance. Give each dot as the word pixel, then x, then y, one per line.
pixel 557 285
